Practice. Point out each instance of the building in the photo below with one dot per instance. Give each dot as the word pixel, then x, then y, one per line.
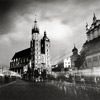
pixel 92 45
pixel 20 60
pixel 67 63
pixel 74 57
pixel 63 65
pixel 35 57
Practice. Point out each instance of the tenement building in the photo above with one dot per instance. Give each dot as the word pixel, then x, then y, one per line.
pixel 67 62
pixel 35 57
pixel 92 45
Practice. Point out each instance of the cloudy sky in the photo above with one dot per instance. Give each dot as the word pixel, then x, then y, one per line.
pixel 64 21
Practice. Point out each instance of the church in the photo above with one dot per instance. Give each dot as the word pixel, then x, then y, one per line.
pixel 35 57
pixel 92 44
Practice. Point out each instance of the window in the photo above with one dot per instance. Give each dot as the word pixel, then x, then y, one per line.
pixel 42 45
pixel 68 62
pixel 89 60
pixel 23 59
pixel 27 59
pixel 95 58
pixel 68 65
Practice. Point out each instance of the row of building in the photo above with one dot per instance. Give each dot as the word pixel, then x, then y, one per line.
pixel 38 55
pixel 67 63
pixel 90 51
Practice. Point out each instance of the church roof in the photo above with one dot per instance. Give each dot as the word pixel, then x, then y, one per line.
pixel 95 40
pixel 95 24
pixel 23 53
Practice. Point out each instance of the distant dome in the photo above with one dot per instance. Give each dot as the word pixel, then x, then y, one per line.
pixel 45 36
pixel 74 49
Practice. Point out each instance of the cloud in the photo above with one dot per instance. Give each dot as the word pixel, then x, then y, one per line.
pixel 64 21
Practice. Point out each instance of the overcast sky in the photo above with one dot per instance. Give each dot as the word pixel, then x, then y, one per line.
pixel 64 21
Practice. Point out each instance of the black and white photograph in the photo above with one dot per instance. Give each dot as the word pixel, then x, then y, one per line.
pixel 49 49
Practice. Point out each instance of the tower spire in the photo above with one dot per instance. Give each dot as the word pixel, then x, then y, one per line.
pixel 35 28
pixel 45 33
pixel 94 18
pixel 74 49
pixel 74 45
pixel 35 19
pixel 87 26
pixel 35 22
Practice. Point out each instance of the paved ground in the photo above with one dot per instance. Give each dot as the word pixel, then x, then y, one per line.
pixel 21 90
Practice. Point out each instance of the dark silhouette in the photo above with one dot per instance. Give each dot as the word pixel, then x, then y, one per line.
pixel 43 74
pixel 80 60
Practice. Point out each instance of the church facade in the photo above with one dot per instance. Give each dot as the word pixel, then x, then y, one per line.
pixel 92 45
pixel 35 57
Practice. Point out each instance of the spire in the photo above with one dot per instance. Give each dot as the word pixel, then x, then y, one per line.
pixel 94 18
pixel 35 21
pixel 87 26
pixel 74 45
pixel 45 33
pixel 35 28
pixel 74 49
pixel 45 36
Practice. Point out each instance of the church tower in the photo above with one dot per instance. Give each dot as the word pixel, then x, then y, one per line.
pixel 45 52
pixel 75 51
pixel 74 57
pixel 35 47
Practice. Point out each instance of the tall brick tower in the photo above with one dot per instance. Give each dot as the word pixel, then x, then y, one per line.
pixel 35 47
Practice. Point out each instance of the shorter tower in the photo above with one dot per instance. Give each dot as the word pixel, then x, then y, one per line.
pixel 45 52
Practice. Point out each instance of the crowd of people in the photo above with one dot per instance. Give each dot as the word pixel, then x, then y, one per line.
pixel 38 75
